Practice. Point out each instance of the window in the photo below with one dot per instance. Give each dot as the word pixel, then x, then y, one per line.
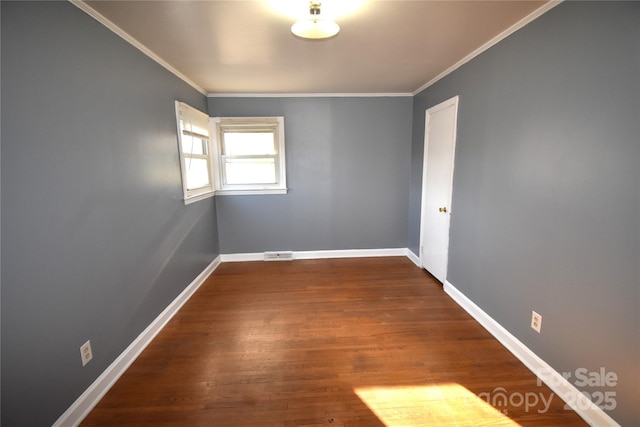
pixel 250 156
pixel 196 161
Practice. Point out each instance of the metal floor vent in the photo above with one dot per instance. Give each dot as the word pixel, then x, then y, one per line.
pixel 278 256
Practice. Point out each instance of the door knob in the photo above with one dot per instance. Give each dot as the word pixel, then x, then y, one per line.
pixel 444 209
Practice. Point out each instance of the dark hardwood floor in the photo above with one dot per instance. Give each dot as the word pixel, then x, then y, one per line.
pixel 343 342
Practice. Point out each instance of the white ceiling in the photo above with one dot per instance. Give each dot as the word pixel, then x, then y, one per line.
pixel 245 46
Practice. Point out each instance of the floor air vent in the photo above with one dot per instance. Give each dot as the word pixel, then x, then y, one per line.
pixel 278 256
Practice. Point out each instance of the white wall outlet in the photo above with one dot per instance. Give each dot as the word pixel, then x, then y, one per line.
pixel 536 321
pixel 86 353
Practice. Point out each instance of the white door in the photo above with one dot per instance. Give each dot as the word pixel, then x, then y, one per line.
pixel 437 183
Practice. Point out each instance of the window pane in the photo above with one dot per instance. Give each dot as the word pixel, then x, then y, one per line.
pixel 250 171
pixel 249 143
pixel 197 173
pixel 193 145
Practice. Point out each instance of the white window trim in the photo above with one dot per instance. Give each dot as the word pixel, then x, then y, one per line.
pixel 197 194
pixel 217 124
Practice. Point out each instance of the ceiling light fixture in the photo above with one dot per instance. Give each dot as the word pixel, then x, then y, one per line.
pixel 315 27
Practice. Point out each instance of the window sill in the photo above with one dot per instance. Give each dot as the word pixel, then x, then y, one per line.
pixel 199 197
pixel 251 192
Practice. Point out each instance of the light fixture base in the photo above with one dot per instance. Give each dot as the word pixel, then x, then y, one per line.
pixel 314 27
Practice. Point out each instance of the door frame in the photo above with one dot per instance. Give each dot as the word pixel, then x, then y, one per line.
pixel 445 104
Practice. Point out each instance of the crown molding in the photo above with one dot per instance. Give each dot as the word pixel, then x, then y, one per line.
pixel 80 4
pixel 309 95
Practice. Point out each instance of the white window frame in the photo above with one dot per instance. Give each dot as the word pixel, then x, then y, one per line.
pixel 193 195
pixel 272 124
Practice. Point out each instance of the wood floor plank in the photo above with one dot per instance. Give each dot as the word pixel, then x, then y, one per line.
pixel 341 342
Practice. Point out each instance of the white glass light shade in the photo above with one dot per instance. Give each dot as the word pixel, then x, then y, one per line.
pixel 315 28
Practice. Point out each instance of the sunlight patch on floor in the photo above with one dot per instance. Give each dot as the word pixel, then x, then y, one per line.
pixel 437 405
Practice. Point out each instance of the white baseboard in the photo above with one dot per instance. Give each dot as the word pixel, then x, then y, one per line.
pixel 90 398
pixel 414 258
pixel 257 256
pixel 347 253
pixel 584 407
pixel 350 253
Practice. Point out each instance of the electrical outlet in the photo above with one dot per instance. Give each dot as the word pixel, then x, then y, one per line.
pixel 86 353
pixel 536 321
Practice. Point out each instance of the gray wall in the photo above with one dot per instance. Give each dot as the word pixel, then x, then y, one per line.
pixel 96 240
pixel 348 162
pixel 546 191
